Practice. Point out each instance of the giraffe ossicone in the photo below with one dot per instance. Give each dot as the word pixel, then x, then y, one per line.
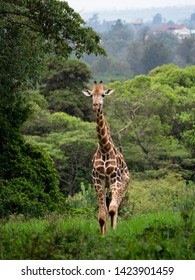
pixel 109 168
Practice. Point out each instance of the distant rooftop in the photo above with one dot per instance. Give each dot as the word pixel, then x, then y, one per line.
pixel 164 28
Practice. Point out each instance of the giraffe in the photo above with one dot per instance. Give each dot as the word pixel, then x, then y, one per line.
pixel 110 171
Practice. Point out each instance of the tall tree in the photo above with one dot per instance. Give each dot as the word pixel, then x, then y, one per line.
pixel 157 19
pixel 30 31
pixel 155 54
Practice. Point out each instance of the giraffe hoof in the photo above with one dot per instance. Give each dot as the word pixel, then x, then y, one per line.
pixel 112 213
pixel 102 226
pixel 101 222
pixel 112 210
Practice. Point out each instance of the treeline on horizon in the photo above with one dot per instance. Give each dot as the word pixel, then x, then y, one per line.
pixel 134 49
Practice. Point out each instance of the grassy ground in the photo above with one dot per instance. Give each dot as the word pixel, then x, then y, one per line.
pixel 158 222
pixel 163 235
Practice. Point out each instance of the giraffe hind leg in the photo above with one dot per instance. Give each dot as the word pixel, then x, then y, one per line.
pixel 102 212
pixel 115 202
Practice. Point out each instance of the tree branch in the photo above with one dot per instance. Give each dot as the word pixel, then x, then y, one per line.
pixel 133 114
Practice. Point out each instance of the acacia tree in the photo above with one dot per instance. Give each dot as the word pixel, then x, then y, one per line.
pixel 30 31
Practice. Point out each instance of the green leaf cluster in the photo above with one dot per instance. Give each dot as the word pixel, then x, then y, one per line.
pixel 71 143
pixel 62 85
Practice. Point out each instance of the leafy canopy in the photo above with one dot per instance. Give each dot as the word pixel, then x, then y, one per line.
pixel 30 33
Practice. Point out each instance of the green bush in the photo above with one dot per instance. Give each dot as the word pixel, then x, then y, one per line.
pixel 84 202
pixel 21 196
pixel 156 195
pixel 29 182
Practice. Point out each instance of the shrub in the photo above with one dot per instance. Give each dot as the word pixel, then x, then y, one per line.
pixel 84 202
pixel 21 196
pixel 155 195
pixel 29 182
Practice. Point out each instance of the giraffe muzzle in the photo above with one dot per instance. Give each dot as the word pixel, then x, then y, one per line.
pixel 95 107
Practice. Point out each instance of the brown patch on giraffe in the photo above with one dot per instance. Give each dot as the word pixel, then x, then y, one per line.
pixel 104 140
pixel 119 160
pixel 109 170
pixel 102 132
pixel 101 123
pixel 100 169
pixel 111 162
pixel 107 146
pixel 102 176
pixel 103 149
pixel 99 154
pixel 107 156
pixel 113 175
pixel 98 130
pixel 98 187
pixel 98 182
pixel 112 154
pixel 99 162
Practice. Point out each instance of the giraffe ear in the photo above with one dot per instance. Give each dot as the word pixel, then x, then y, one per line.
pixel 87 92
pixel 108 91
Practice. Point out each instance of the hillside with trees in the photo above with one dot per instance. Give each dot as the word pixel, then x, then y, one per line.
pixel 136 47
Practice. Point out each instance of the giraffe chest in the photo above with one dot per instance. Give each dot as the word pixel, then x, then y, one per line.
pixel 109 169
pixel 106 165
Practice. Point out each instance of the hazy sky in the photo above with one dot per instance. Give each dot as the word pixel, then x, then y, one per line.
pixel 92 5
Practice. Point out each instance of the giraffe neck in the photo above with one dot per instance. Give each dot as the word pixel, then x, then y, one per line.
pixel 103 132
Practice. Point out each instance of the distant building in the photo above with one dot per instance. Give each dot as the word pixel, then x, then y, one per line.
pixel 180 31
pixel 182 34
pixel 192 32
pixel 168 28
pixel 137 21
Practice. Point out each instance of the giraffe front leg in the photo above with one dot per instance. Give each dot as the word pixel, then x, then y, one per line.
pixel 115 202
pixel 102 209
pixel 102 221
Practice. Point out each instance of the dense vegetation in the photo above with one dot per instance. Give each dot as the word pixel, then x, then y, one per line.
pixel 30 33
pixel 151 119
pixel 48 138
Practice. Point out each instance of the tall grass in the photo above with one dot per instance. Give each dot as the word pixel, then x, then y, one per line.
pixel 158 222
pixel 151 236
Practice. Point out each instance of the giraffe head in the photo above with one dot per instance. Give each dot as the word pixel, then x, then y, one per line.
pixel 97 94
